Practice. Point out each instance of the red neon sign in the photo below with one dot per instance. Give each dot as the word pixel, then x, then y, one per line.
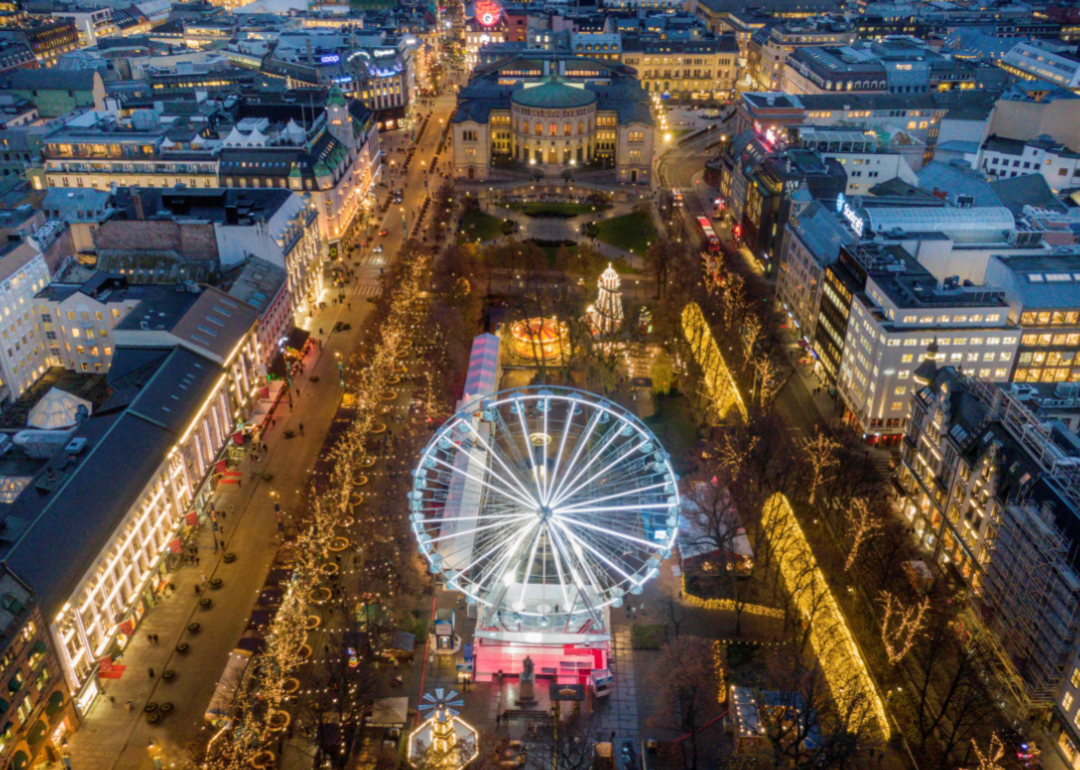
pixel 488 12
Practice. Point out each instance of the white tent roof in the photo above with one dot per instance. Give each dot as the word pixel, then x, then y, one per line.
pixel 56 410
pixel 389 712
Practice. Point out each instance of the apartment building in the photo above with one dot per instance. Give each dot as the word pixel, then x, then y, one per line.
pixel 321 144
pixel 1041 60
pixel 813 239
pixel 769 48
pixel 48 38
pixel 1002 158
pixel 188 369
pixel 1043 293
pixel 907 124
pixel 36 705
pixel 384 77
pixel 902 315
pixel 79 318
pixel 690 70
pixel 894 65
pixel 864 159
pixel 225 226
pixel 993 493
pixel 23 348
pixel 98 149
pixel 265 287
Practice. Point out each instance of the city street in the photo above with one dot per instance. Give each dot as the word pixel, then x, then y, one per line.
pixel 116 736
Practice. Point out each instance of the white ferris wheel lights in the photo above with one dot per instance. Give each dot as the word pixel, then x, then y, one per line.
pixel 544 502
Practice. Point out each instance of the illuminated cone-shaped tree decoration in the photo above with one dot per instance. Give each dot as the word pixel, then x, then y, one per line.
pixel 607 313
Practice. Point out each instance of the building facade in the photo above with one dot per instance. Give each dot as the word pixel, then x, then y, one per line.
pixel 564 114
pixel 685 70
pixel 1043 294
pixel 191 368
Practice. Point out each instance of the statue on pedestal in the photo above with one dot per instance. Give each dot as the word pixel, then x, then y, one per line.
pixel 526 685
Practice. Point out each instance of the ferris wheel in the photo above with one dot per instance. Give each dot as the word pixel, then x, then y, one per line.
pixel 545 502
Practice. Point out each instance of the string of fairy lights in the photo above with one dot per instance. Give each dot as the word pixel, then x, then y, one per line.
pixel 346 482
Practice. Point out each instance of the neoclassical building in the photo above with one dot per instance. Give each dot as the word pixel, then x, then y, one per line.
pixel 547 114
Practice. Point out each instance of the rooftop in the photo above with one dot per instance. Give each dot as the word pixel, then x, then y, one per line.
pixel 51 538
pixel 553 94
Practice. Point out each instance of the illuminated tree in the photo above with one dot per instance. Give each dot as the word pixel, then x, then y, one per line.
pixel 864 525
pixel 900 626
pixel 820 452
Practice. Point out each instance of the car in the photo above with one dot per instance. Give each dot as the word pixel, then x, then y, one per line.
pixel 383 233
pixel 378 249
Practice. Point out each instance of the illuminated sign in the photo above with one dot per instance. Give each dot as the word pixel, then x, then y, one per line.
pixel 488 12
pixel 849 213
pixel 381 53
pixel 330 58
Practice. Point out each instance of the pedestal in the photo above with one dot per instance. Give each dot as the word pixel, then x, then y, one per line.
pixel 526 693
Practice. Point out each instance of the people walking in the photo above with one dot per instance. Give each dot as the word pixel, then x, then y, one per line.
pixel 151 673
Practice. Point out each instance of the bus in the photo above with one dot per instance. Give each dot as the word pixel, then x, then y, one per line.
pixel 712 243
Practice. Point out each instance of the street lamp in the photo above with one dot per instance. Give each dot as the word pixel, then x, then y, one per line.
pixel 340 369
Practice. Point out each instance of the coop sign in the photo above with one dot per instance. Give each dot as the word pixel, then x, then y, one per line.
pixel 849 213
pixel 330 58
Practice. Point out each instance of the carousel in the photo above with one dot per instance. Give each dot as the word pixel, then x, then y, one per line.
pixel 540 338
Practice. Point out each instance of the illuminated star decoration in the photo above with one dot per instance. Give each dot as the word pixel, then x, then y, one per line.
pixel 444 740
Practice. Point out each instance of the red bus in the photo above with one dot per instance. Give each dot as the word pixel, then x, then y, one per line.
pixel 711 241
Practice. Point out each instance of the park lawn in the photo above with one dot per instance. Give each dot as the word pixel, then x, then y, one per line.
pixel 540 209
pixel 477 224
pixel 647 637
pixel 630 232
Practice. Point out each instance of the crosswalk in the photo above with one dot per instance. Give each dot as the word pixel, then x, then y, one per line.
pixel 369 291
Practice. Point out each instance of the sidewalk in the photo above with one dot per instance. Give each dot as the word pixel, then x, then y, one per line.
pixel 112 737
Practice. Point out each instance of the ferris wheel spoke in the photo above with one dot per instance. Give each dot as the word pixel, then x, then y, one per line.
pixel 604 509
pixel 509 442
pixel 556 557
pixel 532 460
pixel 529 504
pixel 528 567
pixel 546 481
pixel 498 457
pixel 471 531
pixel 572 507
pixel 512 546
pixel 479 517
pixel 488 554
pixel 570 557
pixel 628 453
pixel 559 493
pixel 567 423
pixel 595 552
pixel 611 532
pixel 582 443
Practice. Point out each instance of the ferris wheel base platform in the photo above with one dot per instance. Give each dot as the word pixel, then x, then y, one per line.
pixel 562 664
